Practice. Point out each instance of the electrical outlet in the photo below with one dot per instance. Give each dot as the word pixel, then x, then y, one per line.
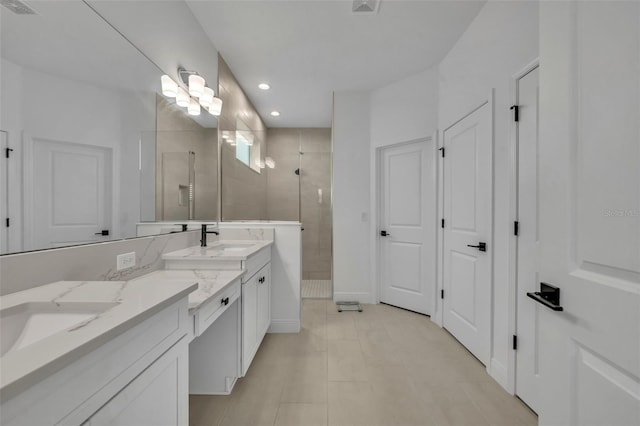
pixel 126 260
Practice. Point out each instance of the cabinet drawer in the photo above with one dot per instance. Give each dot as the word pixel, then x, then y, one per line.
pixel 208 313
pixel 256 262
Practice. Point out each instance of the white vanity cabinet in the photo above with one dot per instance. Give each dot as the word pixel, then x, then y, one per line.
pixel 153 398
pixel 139 377
pixel 256 313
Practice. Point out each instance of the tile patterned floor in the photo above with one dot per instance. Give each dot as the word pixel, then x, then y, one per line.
pixel 382 367
pixel 316 289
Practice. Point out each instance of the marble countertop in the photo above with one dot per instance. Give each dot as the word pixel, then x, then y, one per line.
pixel 217 250
pixel 210 283
pixel 133 301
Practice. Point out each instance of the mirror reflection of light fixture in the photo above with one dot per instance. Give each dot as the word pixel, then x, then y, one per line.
pixel 268 161
pixel 216 107
pixel 196 92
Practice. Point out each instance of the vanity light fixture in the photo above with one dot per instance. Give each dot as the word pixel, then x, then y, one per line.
pixel 264 86
pixel 260 163
pixel 194 107
pixel 195 95
pixel 275 114
pixel 196 85
pixel 207 97
pixel 268 161
pixel 182 98
pixel 169 87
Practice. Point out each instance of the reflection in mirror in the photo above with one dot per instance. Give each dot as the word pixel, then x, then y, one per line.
pixel 186 167
pixel 78 110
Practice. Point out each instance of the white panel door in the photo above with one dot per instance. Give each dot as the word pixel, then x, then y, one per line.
pixel 467 214
pixel 589 243
pixel 407 217
pixel 527 368
pixel 4 191
pixel 70 201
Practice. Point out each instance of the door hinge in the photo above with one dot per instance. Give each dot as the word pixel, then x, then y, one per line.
pixel 442 294
pixel 516 228
pixel 516 112
pixel 441 151
pixel 7 152
pixel 7 222
pixel 515 342
pixel 442 223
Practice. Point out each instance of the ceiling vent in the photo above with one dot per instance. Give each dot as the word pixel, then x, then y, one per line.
pixel 365 7
pixel 18 7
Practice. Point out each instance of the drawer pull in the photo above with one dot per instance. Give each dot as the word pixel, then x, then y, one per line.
pixel 225 301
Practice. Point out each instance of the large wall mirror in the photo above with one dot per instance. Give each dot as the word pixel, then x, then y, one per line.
pixel 93 148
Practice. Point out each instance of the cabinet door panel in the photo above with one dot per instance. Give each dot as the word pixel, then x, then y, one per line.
pixel 264 301
pixel 158 396
pixel 249 323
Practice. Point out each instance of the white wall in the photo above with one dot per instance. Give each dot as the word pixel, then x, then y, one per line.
pixel 501 41
pixel 351 200
pixel 172 38
pixel 405 110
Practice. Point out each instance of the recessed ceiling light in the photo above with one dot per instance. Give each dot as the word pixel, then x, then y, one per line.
pixel 275 113
pixel 264 86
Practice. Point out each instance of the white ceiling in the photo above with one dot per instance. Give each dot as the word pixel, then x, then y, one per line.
pixel 308 49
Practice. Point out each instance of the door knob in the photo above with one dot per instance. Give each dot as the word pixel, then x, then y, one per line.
pixel 104 232
pixel 385 234
pixel 481 246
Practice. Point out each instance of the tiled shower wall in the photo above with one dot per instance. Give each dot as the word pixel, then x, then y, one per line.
pixel 177 133
pixel 306 197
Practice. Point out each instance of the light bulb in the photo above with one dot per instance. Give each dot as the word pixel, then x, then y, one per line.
pixel 182 97
pixel 169 87
pixel 194 107
pixel 196 85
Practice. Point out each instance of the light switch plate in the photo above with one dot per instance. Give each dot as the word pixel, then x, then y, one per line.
pixel 126 260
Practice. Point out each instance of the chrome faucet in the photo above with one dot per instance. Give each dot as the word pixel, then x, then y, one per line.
pixel 203 238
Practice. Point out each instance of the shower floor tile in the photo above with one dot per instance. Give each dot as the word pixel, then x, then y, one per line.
pixel 316 289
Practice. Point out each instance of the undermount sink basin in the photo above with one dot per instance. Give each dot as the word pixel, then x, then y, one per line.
pixel 25 324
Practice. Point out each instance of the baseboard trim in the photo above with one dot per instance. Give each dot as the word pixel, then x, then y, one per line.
pixel 284 326
pixel 340 296
pixel 499 373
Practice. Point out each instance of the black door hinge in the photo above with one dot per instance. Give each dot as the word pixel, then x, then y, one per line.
pixel 516 112
pixel 441 151
pixel 516 228
pixel 7 222
pixel 442 294
pixel 7 152
pixel 515 342
pixel 442 223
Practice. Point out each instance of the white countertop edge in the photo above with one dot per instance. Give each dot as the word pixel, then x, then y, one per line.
pixel 26 367
pixel 257 224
